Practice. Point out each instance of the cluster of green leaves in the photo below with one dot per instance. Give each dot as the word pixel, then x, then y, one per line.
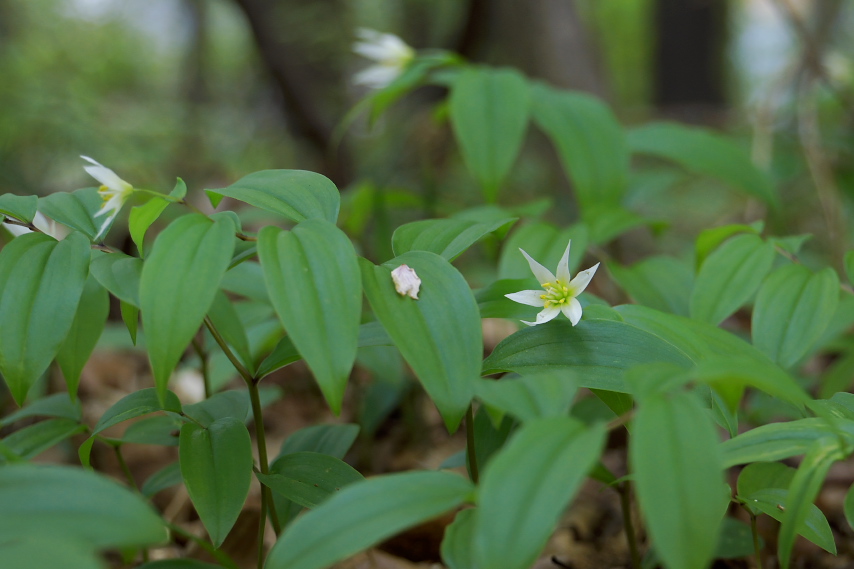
pixel 662 367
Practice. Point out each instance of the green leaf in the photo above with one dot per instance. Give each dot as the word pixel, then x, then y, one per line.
pixel 793 307
pixel 602 351
pixel 130 316
pixel 226 320
pixel 364 514
pixel 777 441
pixel 848 506
pixel 136 404
pixel 47 501
pixel 710 239
pixel 216 464
pixel 513 521
pixel 457 551
pixel 703 152
pixel 849 266
pixel 33 440
pixel 439 335
pixel 22 208
pixel 49 552
pixel 678 475
pixel 159 430
pixel 177 287
pixel 141 217
pixel 489 437
pixel 447 238
pixel 166 477
pixel 75 210
pixel 334 440
pixel 802 492
pixel 729 277
pixel 86 329
pixel 815 527
pixel 41 281
pixel 234 404
pixel 295 194
pixel 735 540
pixel 590 142
pixel 605 222
pixel 119 274
pixel 309 478
pixel 489 113
pixel 534 396
pixel 662 283
pixel 544 242
pixel 314 283
pixel 761 475
pixel 56 405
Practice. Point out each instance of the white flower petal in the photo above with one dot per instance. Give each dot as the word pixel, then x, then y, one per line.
pixel 528 323
pixel 529 297
pixel 582 279
pixel 543 274
pixel 406 281
pixel 547 314
pixel 107 177
pixel 563 267
pixel 105 225
pixel 572 311
pixel 376 76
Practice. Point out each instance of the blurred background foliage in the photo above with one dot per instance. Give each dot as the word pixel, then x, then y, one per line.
pixel 211 90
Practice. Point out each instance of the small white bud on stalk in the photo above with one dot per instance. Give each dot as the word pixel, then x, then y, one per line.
pixel 406 282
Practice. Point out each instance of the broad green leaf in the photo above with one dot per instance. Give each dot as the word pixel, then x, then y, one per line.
pixel 814 527
pixel 75 210
pixel 489 114
pixel 295 194
pixel 41 281
pixel 605 222
pixel 136 404
pixel 49 552
pixel 489 437
pixel 793 307
pixel 56 405
pixel 216 464
pixel 703 152
pixel 734 373
pixel 130 316
pixel 314 283
pixel 848 506
pixel 141 217
pixel 457 551
pixel 534 396
pixel 119 274
pixel 234 404
pixel 448 238
pixel 166 477
pixel 22 208
pixel 761 475
pixel 439 335
pixel 226 320
pixel 159 430
pixel 309 478
pixel 735 540
pixel 589 140
pixel 601 351
pixel 247 279
pixel 179 281
pixel 33 440
pixel 334 440
pixel 802 493
pixel 364 514
pixel 545 243
pixel 710 239
pixel 662 283
pixel 513 521
pixel 729 277
pixel 39 502
pixel 678 477
pixel 777 441
pixel 86 329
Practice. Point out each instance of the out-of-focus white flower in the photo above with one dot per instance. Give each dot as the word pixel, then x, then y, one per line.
pixel 391 53
pixel 406 282
pixel 560 292
pixel 189 386
pixel 114 191
pixel 39 221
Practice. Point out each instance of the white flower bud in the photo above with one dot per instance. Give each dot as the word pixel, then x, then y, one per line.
pixel 406 282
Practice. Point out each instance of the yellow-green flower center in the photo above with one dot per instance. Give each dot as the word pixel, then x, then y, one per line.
pixel 557 294
pixel 105 193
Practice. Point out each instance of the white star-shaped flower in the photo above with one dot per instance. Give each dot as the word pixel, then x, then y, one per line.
pixel 559 292
pixel 114 191
pixel 390 52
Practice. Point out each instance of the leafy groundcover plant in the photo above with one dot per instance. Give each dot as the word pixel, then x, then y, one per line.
pixel 663 368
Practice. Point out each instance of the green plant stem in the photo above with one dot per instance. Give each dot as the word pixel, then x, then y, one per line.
pixel 221 557
pixel 267 506
pixel 757 550
pixel 625 491
pixel 472 453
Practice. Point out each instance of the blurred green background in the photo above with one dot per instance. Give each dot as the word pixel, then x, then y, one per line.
pixel 211 90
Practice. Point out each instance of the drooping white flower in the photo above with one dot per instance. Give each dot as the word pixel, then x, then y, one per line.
pixel 114 191
pixel 559 292
pixel 390 52
pixel 406 282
